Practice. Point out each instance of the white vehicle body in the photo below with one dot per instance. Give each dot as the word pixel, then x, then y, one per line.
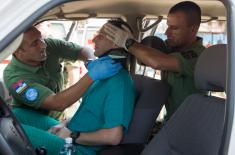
pixel 16 16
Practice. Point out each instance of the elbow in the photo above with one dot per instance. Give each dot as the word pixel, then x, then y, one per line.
pixel 52 104
pixel 116 138
pixel 61 106
pixel 115 141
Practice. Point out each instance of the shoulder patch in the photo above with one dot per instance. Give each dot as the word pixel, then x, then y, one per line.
pixel 189 54
pixel 31 94
pixel 19 86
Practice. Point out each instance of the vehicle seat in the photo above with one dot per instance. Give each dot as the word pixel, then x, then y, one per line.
pixel 196 127
pixel 151 96
pixel 13 140
pixel 155 42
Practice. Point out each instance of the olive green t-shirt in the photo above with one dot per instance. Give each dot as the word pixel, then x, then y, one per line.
pixel 182 83
pixel 30 85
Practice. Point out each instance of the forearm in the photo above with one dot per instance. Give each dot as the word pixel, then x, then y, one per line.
pixel 64 99
pixel 154 58
pixel 111 136
pixel 86 54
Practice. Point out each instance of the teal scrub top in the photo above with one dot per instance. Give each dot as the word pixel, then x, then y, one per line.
pixel 106 104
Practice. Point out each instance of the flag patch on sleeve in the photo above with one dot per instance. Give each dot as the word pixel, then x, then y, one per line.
pixel 19 86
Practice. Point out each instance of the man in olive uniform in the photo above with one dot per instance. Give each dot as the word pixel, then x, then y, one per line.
pixel 183 22
pixel 34 78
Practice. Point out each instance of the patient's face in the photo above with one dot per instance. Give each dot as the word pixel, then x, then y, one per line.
pixel 102 44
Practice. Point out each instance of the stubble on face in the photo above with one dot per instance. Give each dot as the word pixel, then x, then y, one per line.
pixel 178 32
pixel 34 47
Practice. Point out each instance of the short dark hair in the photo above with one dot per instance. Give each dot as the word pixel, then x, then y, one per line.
pixel 190 9
pixel 119 23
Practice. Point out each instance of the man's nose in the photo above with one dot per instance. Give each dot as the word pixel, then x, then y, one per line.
pixel 94 38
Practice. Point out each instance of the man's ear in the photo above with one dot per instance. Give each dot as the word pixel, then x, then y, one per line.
pixel 194 29
pixel 18 52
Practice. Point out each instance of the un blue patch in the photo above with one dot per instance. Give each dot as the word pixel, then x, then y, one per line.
pixel 31 94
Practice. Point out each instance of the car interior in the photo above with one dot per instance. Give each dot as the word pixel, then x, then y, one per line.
pixel 196 128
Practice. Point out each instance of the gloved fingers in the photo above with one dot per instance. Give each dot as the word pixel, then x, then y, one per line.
pixel 118 66
pixel 90 65
pixel 116 34
pixel 87 63
pixel 115 67
pixel 108 62
pixel 105 59
pixel 128 31
pixel 112 33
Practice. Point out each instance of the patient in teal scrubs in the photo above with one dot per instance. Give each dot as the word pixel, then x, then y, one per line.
pixel 107 106
pixel 104 114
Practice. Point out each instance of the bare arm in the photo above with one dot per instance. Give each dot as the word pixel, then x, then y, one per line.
pixel 112 136
pixel 98 69
pixel 64 99
pixel 155 58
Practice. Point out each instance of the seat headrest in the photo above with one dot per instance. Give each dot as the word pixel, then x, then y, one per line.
pixel 155 42
pixel 210 70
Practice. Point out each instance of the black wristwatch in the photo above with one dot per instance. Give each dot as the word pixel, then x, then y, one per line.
pixel 74 136
pixel 129 43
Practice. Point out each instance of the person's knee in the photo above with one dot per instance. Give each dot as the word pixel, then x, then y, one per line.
pixel 34 118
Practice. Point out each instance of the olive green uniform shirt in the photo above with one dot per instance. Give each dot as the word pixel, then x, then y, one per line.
pixel 182 83
pixel 30 85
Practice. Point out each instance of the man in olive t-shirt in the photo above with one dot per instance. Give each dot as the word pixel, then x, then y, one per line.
pixel 34 78
pixel 46 78
pixel 182 83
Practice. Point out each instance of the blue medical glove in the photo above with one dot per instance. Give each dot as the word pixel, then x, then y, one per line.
pixel 103 68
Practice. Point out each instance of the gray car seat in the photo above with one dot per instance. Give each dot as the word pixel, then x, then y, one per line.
pixel 151 95
pixel 13 140
pixel 196 127
pixel 155 42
